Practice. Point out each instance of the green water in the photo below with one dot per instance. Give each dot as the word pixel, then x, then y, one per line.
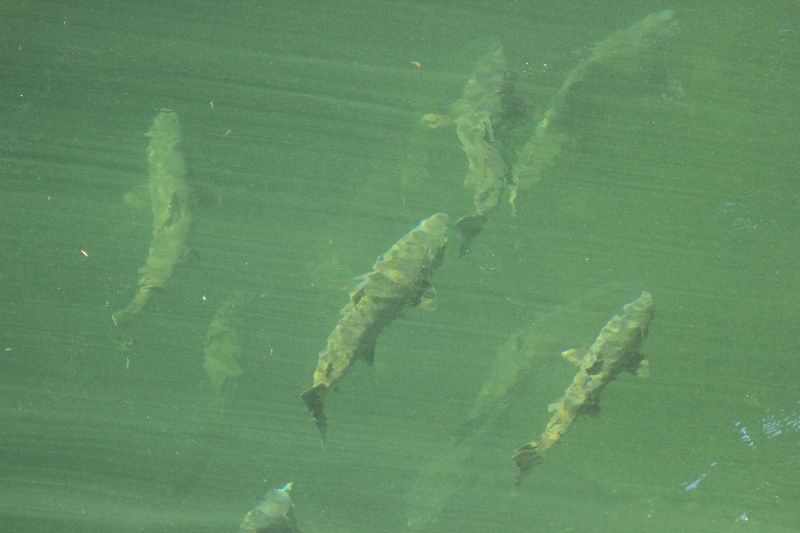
pixel 298 118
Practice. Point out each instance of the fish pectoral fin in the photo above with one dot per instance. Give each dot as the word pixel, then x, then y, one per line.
pixel 638 366
pixel 366 352
pixel 428 300
pixel 574 355
pixel 314 398
pixel 591 408
pixel 369 356
pixel 643 369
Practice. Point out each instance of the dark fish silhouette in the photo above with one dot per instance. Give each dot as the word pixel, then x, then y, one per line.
pixel 401 277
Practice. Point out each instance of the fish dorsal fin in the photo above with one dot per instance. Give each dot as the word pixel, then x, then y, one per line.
pixel 355 284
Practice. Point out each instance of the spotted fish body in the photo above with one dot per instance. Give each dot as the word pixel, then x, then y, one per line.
pixel 482 117
pixel 401 277
pixel 616 349
pixel 170 199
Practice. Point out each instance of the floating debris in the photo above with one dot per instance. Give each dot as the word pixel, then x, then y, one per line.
pixel 740 216
pixel 772 424
pixel 616 349
pixel 693 485
pixel 169 198
pixel 745 435
pixel 274 515
pixel 401 277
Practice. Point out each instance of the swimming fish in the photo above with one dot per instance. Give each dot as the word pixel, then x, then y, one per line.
pixel 483 116
pixel 223 350
pixel 274 515
pixel 616 349
pixel 170 196
pixel 401 277
pixel 526 353
pixel 548 137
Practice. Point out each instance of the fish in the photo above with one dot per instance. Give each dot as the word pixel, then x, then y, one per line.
pixel 273 515
pixel 532 348
pixel 170 197
pixel 525 355
pixel 615 350
pixel 483 116
pixel 549 137
pixel 223 350
pixel 400 278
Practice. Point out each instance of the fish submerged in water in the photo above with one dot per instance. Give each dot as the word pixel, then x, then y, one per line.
pixel 616 349
pixel 170 199
pixel 482 117
pixel 274 515
pixel 401 277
